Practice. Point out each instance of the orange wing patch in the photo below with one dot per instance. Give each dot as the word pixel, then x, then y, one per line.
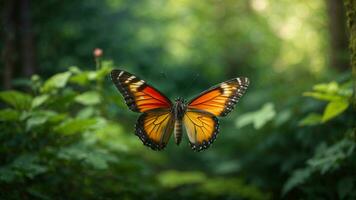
pixel 155 128
pixel 139 96
pixel 221 99
pixel 201 127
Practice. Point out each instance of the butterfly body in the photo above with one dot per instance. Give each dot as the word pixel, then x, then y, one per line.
pixel 160 117
pixel 179 110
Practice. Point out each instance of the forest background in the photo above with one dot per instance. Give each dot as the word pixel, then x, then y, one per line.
pixel 66 132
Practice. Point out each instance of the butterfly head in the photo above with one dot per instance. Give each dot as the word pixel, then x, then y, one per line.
pixel 179 100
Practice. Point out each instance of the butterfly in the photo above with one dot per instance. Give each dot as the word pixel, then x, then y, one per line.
pixel 161 117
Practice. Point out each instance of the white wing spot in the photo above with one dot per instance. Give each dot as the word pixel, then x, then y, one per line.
pixel 121 73
pixel 141 82
pixel 239 81
pixel 129 79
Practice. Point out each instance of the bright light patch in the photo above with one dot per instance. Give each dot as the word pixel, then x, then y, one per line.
pixel 259 5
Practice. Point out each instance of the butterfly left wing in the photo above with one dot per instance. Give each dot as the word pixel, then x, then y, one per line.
pixel 154 128
pixel 220 99
pixel 201 127
pixel 139 96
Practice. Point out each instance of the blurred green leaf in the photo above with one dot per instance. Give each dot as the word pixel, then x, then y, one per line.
pixel 331 87
pixel 330 92
pixel 29 165
pixel 258 118
pixel 58 118
pixel 106 67
pixel 39 100
pixel 88 98
pixel 334 108
pixel 9 115
pixel 113 136
pixel 323 96
pixel 7 174
pixel 324 160
pixel 56 81
pixel 311 119
pixel 298 177
pixel 87 112
pixel 92 75
pixel 76 125
pixel 228 167
pixel 80 79
pixel 96 157
pixel 18 100
pixel 100 159
pixel 283 117
pixel 329 158
pixel 36 82
pixel 38 118
pixel 75 70
pixel 174 178
pixel 26 165
pixel 64 100
pixel 232 187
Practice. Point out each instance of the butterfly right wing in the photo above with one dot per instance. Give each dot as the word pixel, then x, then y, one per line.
pixel 200 120
pixel 220 99
pixel 154 128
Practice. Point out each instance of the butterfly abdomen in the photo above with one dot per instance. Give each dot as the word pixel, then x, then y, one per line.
pixel 178 131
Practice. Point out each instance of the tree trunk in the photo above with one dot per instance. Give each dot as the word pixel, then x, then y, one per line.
pixel 339 57
pixel 27 41
pixel 9 35
pixel 351 22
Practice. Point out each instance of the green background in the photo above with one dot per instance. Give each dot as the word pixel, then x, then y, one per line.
pixel 66 132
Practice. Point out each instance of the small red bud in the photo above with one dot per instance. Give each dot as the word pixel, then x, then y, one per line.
pixel 97 52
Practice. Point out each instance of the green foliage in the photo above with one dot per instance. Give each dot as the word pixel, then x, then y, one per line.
pixel 257 118
pixel 88 98
pixel 88 154
pixel 325 159
pixel 334 108
pixel 175 179
pixel 59 131
pixel 16 99
pixel 73 126
pixel 338 98
pixel 311 119
pixel 39 100
pixel 56 82
pixel 232 187
pixel 9 115
pixel 24 166
pixel 214 187
pixel 328 160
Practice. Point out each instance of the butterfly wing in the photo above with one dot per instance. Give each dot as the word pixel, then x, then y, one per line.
pixel 200 120
pixel 220 99
pixel 154 128
pixel 201 127
pixel 138 95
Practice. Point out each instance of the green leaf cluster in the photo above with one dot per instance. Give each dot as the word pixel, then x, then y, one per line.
pixel 338 99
